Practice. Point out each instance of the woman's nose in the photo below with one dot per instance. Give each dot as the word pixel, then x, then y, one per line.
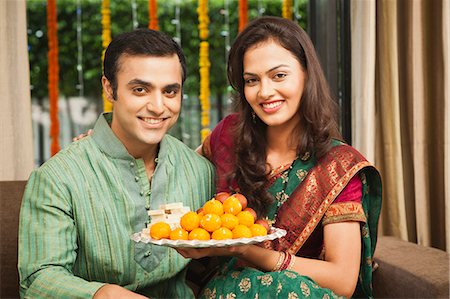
pixel 266 89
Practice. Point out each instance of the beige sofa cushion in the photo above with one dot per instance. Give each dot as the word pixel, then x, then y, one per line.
pixel 408 270
pixel 10 200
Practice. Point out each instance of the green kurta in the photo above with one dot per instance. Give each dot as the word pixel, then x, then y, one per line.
pixel 80 208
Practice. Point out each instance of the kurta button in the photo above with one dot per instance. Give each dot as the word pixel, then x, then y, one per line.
pixel 136 178
pixel 147 207
pixel 131 164
pixel 141 193
pixel 148 253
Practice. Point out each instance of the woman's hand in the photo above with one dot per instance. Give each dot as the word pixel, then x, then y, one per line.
pixel 89 132
pixel 115 291
pixel 196 253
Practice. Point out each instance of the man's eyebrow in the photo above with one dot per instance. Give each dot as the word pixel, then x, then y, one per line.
pixel 173 86
pixel 272 69
pixel 140 82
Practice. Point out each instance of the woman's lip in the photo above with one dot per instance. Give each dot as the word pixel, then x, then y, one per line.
pixel 271 107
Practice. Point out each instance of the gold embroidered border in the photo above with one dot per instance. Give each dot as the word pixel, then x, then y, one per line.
pixel 344 211
pixel 331 196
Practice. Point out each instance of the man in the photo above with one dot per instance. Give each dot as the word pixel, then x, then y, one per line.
pixel 80 208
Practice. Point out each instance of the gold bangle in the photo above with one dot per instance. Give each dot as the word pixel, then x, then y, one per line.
pixel 291 263
pixel 280 260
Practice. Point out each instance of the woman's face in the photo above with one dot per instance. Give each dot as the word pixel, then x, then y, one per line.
pixel 273 83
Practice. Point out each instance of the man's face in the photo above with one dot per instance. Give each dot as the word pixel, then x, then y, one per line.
pixel 148 100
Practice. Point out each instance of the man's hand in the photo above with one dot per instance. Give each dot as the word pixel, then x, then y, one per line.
pixel 89 132
pixel 114 291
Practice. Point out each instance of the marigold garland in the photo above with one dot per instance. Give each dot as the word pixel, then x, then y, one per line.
pixel 204 64
pixel 153 15
pixel 53 74
pixel 243 14
pixel 106 39
pixel 287 9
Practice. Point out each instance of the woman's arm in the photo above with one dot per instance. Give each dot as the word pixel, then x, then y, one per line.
pixel 338 272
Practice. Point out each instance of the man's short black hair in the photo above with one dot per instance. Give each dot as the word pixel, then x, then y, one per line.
pixel 139 42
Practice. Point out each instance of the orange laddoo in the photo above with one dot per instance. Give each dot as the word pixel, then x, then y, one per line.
pixel 210 222
pixel 199 234
pixel 160 230
pixel 190 221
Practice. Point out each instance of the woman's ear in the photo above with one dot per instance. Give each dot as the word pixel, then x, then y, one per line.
pixel 107 89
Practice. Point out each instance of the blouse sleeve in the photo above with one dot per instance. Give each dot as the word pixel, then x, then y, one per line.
pixel 347 206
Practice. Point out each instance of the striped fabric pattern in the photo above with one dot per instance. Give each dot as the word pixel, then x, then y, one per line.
pixel 80 208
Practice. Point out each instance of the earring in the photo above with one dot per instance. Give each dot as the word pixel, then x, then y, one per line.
pixel 254 117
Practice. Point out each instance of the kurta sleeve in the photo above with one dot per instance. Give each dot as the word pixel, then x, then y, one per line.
pixel 48 241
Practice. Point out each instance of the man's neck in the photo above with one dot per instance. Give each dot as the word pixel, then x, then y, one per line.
pixel 149 155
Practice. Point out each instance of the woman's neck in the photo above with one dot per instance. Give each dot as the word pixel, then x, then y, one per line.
pixel 281 147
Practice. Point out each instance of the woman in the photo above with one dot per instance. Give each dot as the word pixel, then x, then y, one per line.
pixel 282 150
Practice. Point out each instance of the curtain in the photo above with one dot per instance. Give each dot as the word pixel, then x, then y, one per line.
pixel 16 141
pixel 400 100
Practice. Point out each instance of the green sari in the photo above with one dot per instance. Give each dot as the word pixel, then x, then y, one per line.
pixel 303 194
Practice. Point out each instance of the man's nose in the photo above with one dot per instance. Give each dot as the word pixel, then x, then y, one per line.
pixel 156 103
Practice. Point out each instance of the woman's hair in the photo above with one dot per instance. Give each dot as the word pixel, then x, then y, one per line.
pixel 317 110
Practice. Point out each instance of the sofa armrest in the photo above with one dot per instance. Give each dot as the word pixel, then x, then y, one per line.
pixel 408 270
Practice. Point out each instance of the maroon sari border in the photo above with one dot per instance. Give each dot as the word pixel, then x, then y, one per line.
pixel 329 199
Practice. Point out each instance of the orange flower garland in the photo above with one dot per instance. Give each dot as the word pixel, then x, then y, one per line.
pixel 287 9
pixel 243 17
pixel 204 65
pixel 53 74
pixel 106 39
pixel 153 15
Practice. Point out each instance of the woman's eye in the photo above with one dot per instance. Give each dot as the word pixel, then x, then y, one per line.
pixel 280 76
pixel 249 81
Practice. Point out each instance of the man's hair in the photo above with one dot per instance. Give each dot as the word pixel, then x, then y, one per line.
pixel 139 42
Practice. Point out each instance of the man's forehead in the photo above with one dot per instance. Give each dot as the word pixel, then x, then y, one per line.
pixel 125 59
pixel 150 68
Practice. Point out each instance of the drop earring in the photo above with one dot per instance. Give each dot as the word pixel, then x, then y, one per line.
pixel 254 117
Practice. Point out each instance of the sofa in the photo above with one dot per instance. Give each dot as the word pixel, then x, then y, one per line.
pixel 405 269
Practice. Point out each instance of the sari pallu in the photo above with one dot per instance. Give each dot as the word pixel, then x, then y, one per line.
pixel 299 215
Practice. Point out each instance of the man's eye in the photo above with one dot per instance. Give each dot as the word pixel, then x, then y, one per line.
pixel 171 93
pixel 139 90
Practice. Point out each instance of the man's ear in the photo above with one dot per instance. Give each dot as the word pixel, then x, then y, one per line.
pixel 107 89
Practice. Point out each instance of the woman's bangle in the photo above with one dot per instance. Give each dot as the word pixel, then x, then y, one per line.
pixel 286 262
pixel 281 258
pixel 291 264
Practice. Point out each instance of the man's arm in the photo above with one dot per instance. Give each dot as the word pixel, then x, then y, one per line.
pixel 48 242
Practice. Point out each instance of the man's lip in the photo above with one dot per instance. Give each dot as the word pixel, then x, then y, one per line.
pixel 148 120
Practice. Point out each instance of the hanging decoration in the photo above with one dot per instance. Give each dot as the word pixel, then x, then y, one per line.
pixel 80 85
pixel 296 11
pixel 287 9
pixel 134 14
pixel 261 9
pixel 153 15
pixel 106 39
pixel 53 74
pixel 204 65
pixel 176 21
pixel 243 17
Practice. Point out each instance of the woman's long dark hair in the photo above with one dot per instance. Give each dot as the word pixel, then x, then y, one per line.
pixel 317 111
